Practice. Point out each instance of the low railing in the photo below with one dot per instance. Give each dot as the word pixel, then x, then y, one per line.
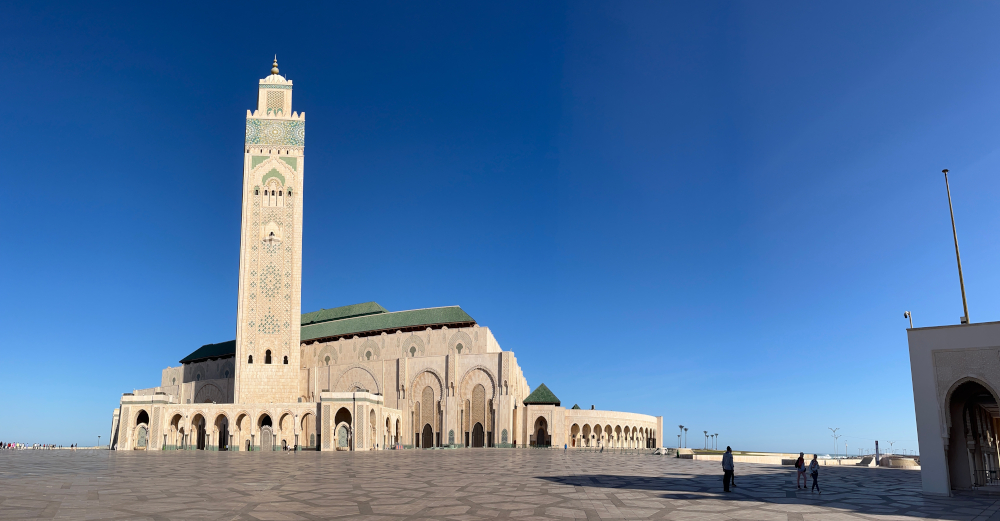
pixel 985 478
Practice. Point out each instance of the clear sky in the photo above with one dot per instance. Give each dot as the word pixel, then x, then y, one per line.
pixel 714 212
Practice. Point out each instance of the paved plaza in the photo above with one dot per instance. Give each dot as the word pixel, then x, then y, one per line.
pixel 448 484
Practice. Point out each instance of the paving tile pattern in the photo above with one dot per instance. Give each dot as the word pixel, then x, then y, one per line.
pixel 456 485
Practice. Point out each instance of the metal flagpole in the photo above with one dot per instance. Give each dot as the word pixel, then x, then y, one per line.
pixel 961 280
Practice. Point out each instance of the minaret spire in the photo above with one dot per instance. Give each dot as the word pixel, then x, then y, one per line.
pixel 274 68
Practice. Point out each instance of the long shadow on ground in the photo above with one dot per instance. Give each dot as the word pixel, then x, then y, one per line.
pixel 862 491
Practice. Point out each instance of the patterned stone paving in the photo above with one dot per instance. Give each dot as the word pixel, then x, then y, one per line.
pixel 449 484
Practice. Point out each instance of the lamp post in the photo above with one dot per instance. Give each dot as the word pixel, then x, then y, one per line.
pixel 906 314
pixel 958 257
pixel 98 441
pixel 706 438
pixel 835 436
pixel 716 441
pixel 685 436
pixel 679 436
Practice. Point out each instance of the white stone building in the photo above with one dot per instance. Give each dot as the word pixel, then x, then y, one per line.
pixel 350 378
pixel 956 376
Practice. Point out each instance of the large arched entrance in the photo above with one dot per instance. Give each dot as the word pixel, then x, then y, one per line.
pixel 972 436
pixel 266 433
pixel 141 431
pixel 222 427
pixel 478 435
pixel 427 437
pixel 198 425
pixel 343 422
pixel 541 437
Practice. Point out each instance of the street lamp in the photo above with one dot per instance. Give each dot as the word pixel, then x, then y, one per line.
pixel 835 436
pixel 685 436
pixel 716 441
pixel 679 436
pixel 98 441
pixel 906 314
pixel 706 438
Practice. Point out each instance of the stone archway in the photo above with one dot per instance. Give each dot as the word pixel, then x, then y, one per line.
pixel 266 433
pixel 141 431
pixel 198 426
pixel 541 433
pixel 343 420
pixel 972 450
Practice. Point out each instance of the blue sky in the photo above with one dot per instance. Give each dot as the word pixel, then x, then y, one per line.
pixel 714 212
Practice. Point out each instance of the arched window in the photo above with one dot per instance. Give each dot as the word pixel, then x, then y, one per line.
pixel 327 359
pixel 267 356
pixel 285 361
pixel 250 359
pixel 459 348
pixel 173 381
pixel 273 193
pixel 227 373
pixel 197 377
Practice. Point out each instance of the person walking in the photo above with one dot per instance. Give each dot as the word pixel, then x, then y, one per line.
pixel 814 471
pixel 727 468
pixel 800 471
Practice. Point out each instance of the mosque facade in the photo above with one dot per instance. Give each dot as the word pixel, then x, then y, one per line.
pixel 357 377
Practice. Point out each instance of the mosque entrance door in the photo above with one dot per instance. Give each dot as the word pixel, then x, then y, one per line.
pixel 427 437
pixel 141 442
pixel 542 439
pixel 266 439
pixel 478 435
pixel 342 437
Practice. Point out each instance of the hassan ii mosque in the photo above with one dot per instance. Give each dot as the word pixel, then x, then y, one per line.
pixel 356 377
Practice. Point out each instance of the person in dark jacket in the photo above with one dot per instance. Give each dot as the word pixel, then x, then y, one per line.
pixel 814 472
pixel 727 468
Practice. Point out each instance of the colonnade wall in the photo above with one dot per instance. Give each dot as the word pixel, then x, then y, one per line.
pixel 578 428
pixel 204 425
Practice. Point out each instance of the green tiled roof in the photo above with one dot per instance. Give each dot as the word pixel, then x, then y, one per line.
pixel 541 396
pixel 354 310
pixel 576 406
pixel 351 320
pixel 220 350
pixel 387 322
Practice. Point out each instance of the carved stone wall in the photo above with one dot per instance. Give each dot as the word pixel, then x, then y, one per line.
pixel 953 367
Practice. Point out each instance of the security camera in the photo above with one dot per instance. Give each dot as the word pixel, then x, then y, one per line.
pixel 906 314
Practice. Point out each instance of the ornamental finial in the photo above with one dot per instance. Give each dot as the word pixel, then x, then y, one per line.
pixel 274 68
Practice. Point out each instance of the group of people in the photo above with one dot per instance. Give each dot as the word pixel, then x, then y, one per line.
pixel 25 446
pixel 801 468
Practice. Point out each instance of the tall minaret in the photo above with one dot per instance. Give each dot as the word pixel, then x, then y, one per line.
pixel 268 316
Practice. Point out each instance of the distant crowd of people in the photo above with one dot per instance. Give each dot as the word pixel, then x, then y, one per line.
pixel 728 472
pixel 34 446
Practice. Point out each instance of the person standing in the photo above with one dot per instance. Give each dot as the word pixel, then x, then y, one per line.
pixel 814 472
pixel 800 471
pixel 727 468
